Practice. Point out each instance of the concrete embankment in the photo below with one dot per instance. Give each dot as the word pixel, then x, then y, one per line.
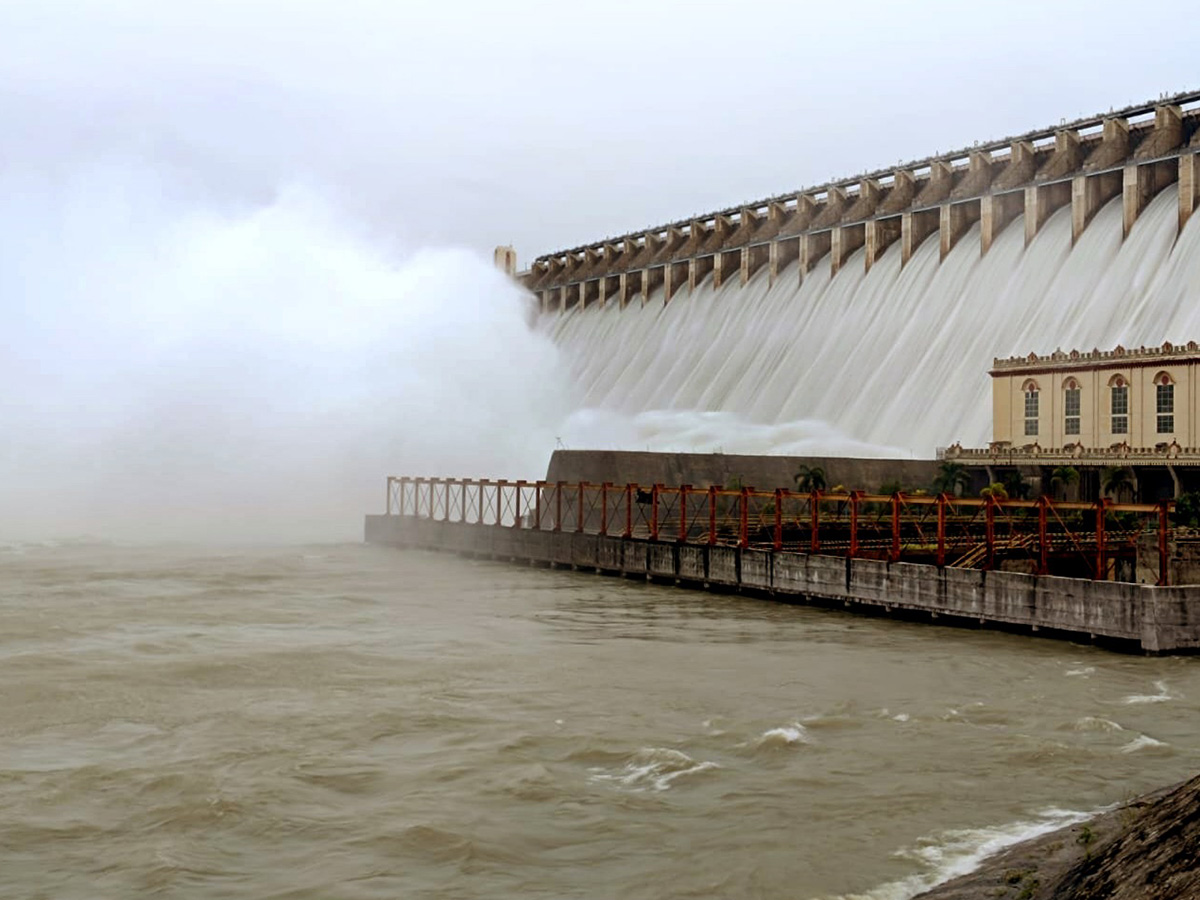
pixel 1153 619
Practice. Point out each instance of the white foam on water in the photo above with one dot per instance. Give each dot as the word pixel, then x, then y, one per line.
pixel 652 768
pixel 795 733
pixel 953 853
pixel 1143 742
pixel 1164 694
pixel 1095 723
pixel 1084 672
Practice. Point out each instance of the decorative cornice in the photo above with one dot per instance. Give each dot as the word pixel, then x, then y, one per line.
pixel 1118 357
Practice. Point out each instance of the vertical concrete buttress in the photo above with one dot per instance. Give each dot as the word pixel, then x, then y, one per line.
pixel 914 228
pixel 954 221
pixel 1189 187
pixel 1136 190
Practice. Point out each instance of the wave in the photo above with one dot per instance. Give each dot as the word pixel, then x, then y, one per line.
pixel 958 852
pixel 1144 742
pixel 1095 723
pixel 784 736
pixel 1164 694
pixel 654 768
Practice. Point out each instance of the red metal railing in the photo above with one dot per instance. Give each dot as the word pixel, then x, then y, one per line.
pixel 1100 540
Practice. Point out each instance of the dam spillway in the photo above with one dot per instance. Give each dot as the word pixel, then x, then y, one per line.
pixel 878 303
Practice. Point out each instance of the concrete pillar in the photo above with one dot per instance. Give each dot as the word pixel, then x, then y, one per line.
pixel 602 291
pixel 806 212
pixel 777 216
pixel 1137 189
pixel 1041 201
pixel 725 228
pixel 939 185
pixel 505 259
pixel 1036 211
pixel 1084 203
pixel 995 212
pixel 753 259
pixel 718 269
pixel 812 247
pixel 623 290
pixel 781 254
pixel 1189 187
pixel 844 240
pixel 881 234
pixel 677 275
pixel 610 254
pixel 1163 142
pixel 914 228
pixel 955 219
pixel 978 178
pixel 1088 194
pixel 833 209
pixel 651 279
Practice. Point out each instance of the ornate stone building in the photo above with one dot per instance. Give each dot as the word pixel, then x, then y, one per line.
pixel 1140 402
pixel 1136 410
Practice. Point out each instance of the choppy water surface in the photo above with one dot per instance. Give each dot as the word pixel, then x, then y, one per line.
pixel 343 721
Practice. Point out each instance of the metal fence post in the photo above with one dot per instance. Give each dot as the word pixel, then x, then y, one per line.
pixel 628 511
pixel 779 492
pixel 814 502
pixel 604 507
pixel 941 530
pixel 744 519
pixel 1164 570
pixel 896 527
pixel 1043 537
pixel 853 550
pixel 989 515
pixel 712 514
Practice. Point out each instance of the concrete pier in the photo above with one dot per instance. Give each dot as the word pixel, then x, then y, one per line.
pixel 1136 616
pixel 1133 153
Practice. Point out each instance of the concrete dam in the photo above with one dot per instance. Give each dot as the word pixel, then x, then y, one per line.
pixel 860 317
pixel 855 321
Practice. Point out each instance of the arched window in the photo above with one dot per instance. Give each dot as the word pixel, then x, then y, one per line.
pixel 1164 403
pixel 1072 405
pixel 1031 408
pixel 1119 404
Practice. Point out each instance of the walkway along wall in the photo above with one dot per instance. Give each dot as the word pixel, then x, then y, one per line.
pixel 1132 153
pixel 1156 619
pixel 979 560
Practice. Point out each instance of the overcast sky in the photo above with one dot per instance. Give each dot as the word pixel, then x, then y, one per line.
pixel 551 124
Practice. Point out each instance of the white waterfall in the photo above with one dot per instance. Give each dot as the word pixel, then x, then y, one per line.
pixel 890 361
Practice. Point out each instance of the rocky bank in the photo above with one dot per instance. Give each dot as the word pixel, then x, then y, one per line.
pixel 1148 849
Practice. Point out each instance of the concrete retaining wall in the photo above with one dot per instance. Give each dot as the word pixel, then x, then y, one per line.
pixel 762 472
pixel 1156 619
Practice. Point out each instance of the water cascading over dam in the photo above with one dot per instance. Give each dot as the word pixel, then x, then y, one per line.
pixel 869 311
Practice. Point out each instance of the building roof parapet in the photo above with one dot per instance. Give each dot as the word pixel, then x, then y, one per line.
pixel 1005 453
pixel 1116 357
